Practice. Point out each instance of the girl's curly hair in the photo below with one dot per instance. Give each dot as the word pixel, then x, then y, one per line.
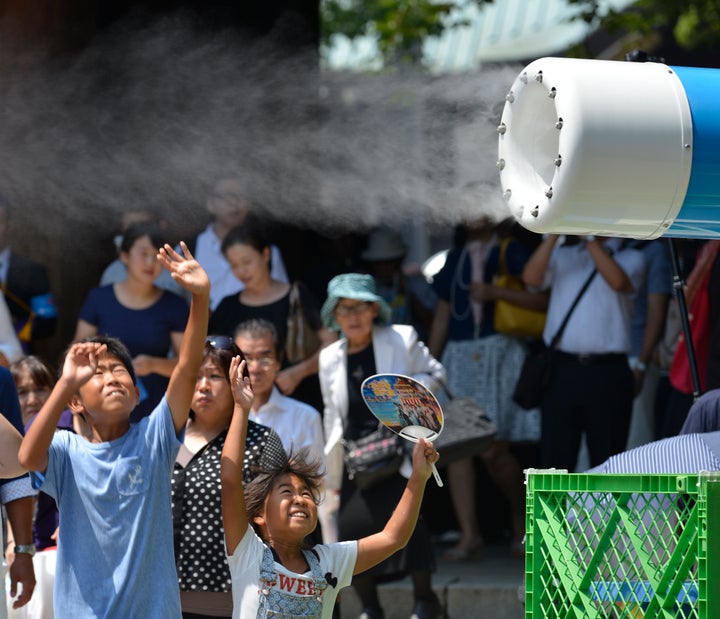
pixel 296 463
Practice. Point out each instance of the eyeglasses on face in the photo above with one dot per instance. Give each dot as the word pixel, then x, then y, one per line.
pixel 349 310
pixel 262 362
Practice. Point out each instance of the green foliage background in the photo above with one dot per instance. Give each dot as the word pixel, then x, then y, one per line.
pixel 401 26
pixel 695 24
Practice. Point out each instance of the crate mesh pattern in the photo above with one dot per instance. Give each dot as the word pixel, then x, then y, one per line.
pixel 622 546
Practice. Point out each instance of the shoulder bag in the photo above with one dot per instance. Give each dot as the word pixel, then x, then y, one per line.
pixel 467 430
pixel 301 339
pixel 374 457
pixel 536 371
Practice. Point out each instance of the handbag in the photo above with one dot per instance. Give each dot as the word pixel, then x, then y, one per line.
pixel 674 344
pixel 536 372
pixel 534 377
pixel 509 318
pixel 301 340
pixel 467 431
pixel 374 457
pixel 700 324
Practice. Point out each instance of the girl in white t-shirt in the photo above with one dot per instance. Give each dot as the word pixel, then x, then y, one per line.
pixel 272 573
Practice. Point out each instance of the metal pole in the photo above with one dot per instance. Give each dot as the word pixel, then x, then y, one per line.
pixel 678 285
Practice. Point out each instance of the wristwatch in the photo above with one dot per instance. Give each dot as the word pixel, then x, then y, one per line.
pixel 636 364
pixel 28 549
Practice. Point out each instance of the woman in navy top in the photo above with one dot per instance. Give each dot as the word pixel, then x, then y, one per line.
pixel 148 320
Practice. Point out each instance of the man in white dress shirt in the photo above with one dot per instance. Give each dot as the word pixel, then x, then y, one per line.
pixel 591 387
pixel 229 208
pixel 298 424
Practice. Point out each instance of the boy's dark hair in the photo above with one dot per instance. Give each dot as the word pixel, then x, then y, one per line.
pixel 117 349
pixel 296 463
pixel 259 327
pixel 139 230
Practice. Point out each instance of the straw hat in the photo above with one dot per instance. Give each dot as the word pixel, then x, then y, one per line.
pixel 353 286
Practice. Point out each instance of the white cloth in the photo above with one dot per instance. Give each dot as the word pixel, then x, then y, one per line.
pixel 337 560
pixel 398 350
pixel 601 322
pixel 298 424
pixel 9 342
pixel 40 605
pixel 223 282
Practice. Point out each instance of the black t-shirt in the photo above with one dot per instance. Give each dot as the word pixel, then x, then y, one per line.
pixel 230 312
pixel 360 421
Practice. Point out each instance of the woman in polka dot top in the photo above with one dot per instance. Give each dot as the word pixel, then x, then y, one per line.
pixel 203 573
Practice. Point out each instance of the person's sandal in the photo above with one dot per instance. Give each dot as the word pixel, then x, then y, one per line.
pixel 459 553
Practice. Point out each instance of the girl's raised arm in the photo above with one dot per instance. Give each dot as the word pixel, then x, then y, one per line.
pixel 376 548
pixel 234 514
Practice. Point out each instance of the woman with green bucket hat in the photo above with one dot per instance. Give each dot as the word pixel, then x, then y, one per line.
pixel 368 345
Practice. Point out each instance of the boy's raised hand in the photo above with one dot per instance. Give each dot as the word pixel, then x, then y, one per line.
pixel 240 383
pixel 423 457
pixel 185 270
pixel 81 362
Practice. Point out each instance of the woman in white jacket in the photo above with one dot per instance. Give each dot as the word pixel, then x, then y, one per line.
pixel 368 347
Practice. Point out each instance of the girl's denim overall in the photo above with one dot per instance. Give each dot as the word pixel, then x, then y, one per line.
pixel 277 604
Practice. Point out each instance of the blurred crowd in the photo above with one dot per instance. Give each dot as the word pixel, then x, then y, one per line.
pixel 620 375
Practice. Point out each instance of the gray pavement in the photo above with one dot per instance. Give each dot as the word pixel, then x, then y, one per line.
pixel 482 588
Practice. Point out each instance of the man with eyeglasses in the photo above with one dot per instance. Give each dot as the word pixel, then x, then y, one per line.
pixel 229 207
pixel 298 424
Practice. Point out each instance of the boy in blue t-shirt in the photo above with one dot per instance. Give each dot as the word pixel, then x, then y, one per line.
pixel 115 548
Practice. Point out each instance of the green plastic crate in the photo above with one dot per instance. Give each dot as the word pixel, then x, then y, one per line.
pixel 622 546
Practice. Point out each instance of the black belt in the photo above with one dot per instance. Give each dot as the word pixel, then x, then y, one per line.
pixel 590 359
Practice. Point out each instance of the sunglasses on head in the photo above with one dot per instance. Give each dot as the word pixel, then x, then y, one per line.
pixel 222 342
